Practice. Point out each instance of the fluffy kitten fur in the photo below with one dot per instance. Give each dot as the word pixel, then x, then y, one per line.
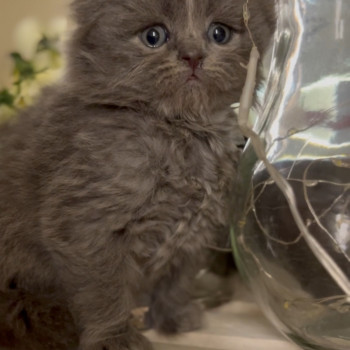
pixel 120 175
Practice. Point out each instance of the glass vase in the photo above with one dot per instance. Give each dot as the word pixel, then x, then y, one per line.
pixel 301 277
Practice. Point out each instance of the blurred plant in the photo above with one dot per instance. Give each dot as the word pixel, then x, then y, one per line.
pixel 36 63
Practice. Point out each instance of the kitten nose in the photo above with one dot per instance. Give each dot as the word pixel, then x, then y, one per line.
pixel 194 61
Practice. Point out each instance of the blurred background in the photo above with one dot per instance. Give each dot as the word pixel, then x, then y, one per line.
pixel 31 15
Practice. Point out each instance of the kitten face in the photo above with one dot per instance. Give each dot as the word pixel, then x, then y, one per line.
pixel 178 57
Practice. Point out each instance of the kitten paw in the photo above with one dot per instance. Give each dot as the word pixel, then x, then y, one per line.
pixel 176 320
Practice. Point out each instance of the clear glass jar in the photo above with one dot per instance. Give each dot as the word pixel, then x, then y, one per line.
pixel 304 121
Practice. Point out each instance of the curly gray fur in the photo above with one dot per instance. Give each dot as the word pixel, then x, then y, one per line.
pixel 119 176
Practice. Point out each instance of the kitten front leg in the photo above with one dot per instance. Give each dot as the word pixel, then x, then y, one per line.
pixel 172 310
pixel 173 271
pixel 99 286
pixel 99 277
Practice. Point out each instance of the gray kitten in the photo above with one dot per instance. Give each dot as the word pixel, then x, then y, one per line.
pixel 118 178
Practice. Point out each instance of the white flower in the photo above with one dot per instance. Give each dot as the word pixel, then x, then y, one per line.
pixel 29 32
pixel 26 37
pixel 47 62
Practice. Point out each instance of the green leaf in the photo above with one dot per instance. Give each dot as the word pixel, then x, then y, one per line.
pixel 6 98
pixel 24 68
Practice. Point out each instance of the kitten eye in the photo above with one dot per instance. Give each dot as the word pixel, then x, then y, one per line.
pixel 154 36
pixel 219 33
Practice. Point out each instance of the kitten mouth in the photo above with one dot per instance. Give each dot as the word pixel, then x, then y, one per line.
pixel 192 77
